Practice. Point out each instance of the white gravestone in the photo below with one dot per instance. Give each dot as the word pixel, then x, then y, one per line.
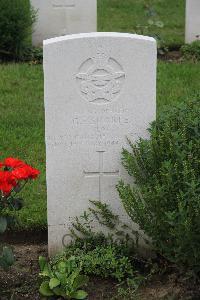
pixel 61 17
pixel 192 21
pixel 100 88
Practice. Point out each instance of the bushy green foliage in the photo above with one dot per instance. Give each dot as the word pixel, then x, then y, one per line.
pixel 103 260
pixel 62 278
pixel 111 229
pixel 34 55
pixel 191 51
pixel 99 253
pixel 165 196
pixel 16 20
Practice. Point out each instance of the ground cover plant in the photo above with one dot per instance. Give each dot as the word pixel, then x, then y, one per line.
pixel 99 253
pixel 164 198
pixel 191 51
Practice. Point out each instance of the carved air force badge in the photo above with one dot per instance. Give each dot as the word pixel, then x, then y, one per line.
pixel 100 78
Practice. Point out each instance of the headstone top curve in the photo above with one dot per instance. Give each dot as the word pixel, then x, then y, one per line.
pixel 98 35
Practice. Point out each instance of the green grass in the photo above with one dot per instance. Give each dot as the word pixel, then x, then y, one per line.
pixel 133 15
pixel 177 82
pixel 22 132
pixel 22 121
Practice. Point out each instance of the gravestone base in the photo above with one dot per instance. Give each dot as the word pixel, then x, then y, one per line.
pixel 192 21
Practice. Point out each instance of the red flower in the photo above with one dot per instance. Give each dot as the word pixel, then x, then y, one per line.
pixel 11 162
pixel 7 182
pixel 25 172
pixel 14 170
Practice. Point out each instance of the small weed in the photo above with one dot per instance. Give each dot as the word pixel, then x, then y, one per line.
pixel 191 51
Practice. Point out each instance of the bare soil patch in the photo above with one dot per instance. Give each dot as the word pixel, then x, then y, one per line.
pixel 173 55
pixel 22 278
pixel 22 281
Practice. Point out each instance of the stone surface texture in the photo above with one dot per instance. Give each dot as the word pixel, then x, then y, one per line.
pixel 61 17
pixel 100 88
pixel 192 21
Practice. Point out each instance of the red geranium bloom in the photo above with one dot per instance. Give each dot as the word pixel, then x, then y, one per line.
pixel 11 162
pixel 25 172
pixel 7 181
pixel 12 170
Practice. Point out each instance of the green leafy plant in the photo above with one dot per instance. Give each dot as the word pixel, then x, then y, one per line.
pixel 164 198
pixel 106 255
pixel 111 254
pixel 111 230
pixel 16 20
pixel 103 260
pixel 191 51
pixel 34 55
pixel 14 174
pixel 6 258
pixel 62 278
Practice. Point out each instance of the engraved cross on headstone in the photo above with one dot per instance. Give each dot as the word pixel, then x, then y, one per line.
pixel 65 5
pixel 101 173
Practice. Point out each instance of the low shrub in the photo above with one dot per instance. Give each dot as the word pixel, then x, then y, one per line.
pixel 104 261
pixel 96 253
pixel 107 261
pixel 102 254
pixel 165 196
pixel 111 229
pixel 16 20
pixel 33 55
pixel 191 51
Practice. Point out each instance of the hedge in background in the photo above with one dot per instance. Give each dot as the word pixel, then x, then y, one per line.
pixel 165 196
pixel 16 20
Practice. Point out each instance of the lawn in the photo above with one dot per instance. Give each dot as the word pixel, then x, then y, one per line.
pixel 22 121
pixel 134 16
pixel 22 131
